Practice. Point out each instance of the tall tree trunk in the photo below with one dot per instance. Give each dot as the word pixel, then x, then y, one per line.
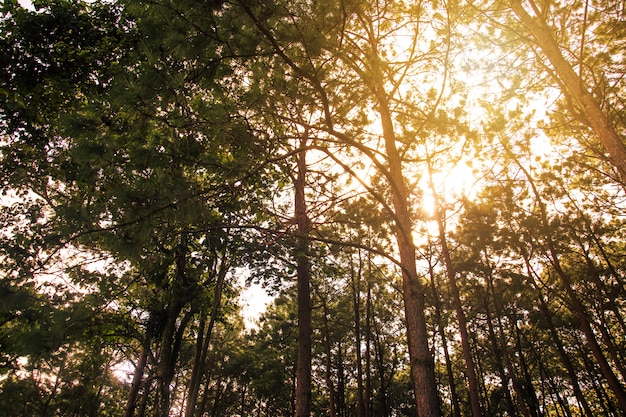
pixel 456 408
pixel 504 378
pixel 332 412
pixel 521 397
pixel 368 340
pixel 145 396
pixel 573 86
pixel 164 367
pixel 602 326
pixel 480 373
pixel 529 391
pixel 470 367
pixel 303 367
pixel 569 366
pixel 414 291
pixel 380 365
pixel 605 401
pixel 342 407
pixel 203 341
pixel 356 307
pixel 135 387
pixel 547 379
pixel 575 304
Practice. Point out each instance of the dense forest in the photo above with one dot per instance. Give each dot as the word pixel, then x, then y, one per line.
pixel 432 192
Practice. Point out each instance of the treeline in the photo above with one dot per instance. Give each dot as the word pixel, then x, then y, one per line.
pixel 433 192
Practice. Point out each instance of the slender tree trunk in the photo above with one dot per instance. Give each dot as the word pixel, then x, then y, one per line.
pixel 605 401
pixel 203 341
pixel 341 384
pixel 529 391
pixel 164 374
pixel 356 307
pixel 569 367
pixel 504 378
pixel 133 394
pixel 575 303
pixel 470 367
pixel 380 365
pixel 332 412
pixel 456 408
pixel 547 379
pixel 303 368
pixel 602 326
pixel 206 377
pixel 147 388
pixel 521 397
pixel 368 339
pixel 608 293
pixel 480 373
pixel 573 86
pixel 196 374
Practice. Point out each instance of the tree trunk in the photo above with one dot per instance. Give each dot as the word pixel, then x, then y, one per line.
pixel 133 394
pixel 470 367
pixel 529 391
pixel 521 398
pixel 164 367
pixel 303 367
pixel 569 367
pixel 573 86
pixel 329 362
pixel 575 304
pixel 356 307
pixel 341 384
pixel 510 406
pixel 456 408
pixel 380 365
pixel 202 343
pixel 414 291
pixel 368 339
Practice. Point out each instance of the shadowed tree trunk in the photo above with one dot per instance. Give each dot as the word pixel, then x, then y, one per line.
pixel 499 363
pixel 303 367
pixel 203 340
pixel 456 408
pixel 569 367
pixel 135 387
pixel 355 281
pixel 329 360
pixel 575 303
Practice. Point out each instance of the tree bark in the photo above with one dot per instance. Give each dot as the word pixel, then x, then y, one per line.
pixel 456 408
pixel 356 307
pixel 380 365
pixel 470 367
pixel 575 304
pixel 329 380
pixel 414 290
pixel 368 340
pixel 569 366
pixel 131 401
pixel 499 363
pixel 202 343
pixel 521 398
pixel 164 368
pixel 303 366
pixel 573 86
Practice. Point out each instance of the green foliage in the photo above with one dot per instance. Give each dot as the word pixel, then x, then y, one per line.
pixel 147 155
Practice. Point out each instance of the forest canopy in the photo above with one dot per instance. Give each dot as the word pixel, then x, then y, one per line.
pixel 432 192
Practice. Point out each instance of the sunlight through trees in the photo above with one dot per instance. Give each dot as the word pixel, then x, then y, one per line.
pixel 430 194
